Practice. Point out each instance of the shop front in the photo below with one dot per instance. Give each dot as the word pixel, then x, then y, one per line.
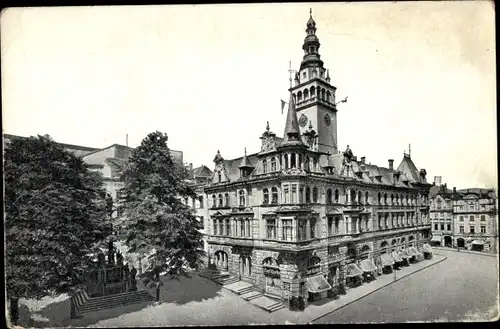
pixel 272 275
pixel 354 276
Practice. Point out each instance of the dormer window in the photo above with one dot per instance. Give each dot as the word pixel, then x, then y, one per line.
pixel 304 75
pixel 264 166
pixel 219 176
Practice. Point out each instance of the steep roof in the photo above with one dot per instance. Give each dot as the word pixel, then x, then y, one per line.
pixel 291 135
pixel 202 171
pixel 409 169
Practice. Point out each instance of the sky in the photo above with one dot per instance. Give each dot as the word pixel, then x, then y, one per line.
pixel 210 76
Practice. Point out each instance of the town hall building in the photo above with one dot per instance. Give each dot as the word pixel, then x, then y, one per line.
pixel 299 217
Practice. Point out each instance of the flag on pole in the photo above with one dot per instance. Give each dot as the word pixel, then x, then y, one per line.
pixel 282 105
pixel 344 100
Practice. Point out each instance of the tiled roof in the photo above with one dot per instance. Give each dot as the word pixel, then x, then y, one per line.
pixel 291 126
pixel 202 171
pixel 409 169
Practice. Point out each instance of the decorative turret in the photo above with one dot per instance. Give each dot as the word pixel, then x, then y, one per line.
pixel 245 166
pixel 311 136
pixel 311 45
pixel 268 140
pixel 218 158
pixel 291 136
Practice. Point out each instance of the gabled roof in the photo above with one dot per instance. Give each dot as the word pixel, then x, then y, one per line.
pixel 202 171
pixel 409 169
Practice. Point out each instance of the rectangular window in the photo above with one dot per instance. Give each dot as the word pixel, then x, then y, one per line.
pixel 301 234
pixel 271 229
pixel 483 229
pixel 449 227
pixel 313 228
pixel 442 227
pixel 353 226
pixel 228 227
pixel 472 229
pixel 461 229
pixel 330 226
pixel 287 229
pixel 461 218
pixel 483 218
pixel 435 227
pixel 201 202
pixel 471 218
pixel 221 227
pixel 461 207
pixel 215 227
pixel 379 222
pixel 294 193
pixel 337 222
pixel 242 228
pixel 286 194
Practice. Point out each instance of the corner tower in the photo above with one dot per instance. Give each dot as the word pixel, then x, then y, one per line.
pixel 314 95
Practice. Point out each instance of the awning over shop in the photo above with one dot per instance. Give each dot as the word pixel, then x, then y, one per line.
pixel 436 238
pixel 426 248
pixel 386 260
pixel 404 254
pixel 317 284
pixel 397 258
pixel 413 251
pixel 478 242
pixel 367 266
pixel 353 270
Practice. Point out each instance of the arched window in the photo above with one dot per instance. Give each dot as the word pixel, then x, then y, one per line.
pixel 336 196
pixel 315 194
pixel 385 198
pixel 313 91
pixel 306 94
pixel 293 162
pixel 323 93
pixel 353 196
pixel 274 192
pixel 366 197
pixel 308 194
pixel 242 198
pixel 397 199
pixel 329 196
pixel 214 201
pixel 266 195
pixel 299 96
pixel 360 197
pixel 329 96
pixel 264 165
pixel 219 176
pixel 273 164
pixel 286 162
pixel 392 199
pixel 201 201
pixel 307 163
pixel 314 164
pixel 220 200
pixel 294 98
pixel 378 198
pixel 226 196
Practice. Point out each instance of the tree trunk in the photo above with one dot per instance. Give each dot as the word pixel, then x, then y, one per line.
pixel 14 310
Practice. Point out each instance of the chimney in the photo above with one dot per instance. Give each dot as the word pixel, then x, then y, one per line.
pixel 437 180
pixel 363 160
pixel 191 167
pixel 454 189
pixel 391 164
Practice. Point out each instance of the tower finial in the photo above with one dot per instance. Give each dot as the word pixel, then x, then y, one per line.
pixel 310 12
pixel 291 72
pixel 267 126
pixel 245 151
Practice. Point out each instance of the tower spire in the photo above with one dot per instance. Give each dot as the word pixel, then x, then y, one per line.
pixel 291 135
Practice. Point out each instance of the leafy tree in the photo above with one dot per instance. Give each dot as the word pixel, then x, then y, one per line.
pixel 156 222
pixel 55 217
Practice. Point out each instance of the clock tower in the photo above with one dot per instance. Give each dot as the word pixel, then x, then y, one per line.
pixel 314 95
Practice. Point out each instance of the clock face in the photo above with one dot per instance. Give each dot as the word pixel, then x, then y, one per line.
pixel 303 120
pixel 328 120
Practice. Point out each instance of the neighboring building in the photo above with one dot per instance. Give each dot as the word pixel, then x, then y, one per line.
pixel 471 214
pixel 298 214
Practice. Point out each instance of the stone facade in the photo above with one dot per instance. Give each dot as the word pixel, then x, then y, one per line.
pixel 465 218
pixel 290 213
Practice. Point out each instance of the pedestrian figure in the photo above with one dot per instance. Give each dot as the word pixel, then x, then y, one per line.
pixel 133 272
pixel 394 275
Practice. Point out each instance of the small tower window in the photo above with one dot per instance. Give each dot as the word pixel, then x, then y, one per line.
pixel 219 176
pixel 323 93
pixel 329 196
pixel 299 95
pixel 304 75
pixel 336 196
pixel 308 194
pixel 328 96
pixel 264 165
pixel 226 196
pixel 293 163
pixel 214 201
pixel 306 93
pixel 315 194
pixel 313 91
pixel 220 200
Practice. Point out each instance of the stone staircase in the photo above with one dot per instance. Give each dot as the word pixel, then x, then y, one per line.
pixel 112 301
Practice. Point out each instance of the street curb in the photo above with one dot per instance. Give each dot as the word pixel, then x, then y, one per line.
pixel 371 292
pixel 467 252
